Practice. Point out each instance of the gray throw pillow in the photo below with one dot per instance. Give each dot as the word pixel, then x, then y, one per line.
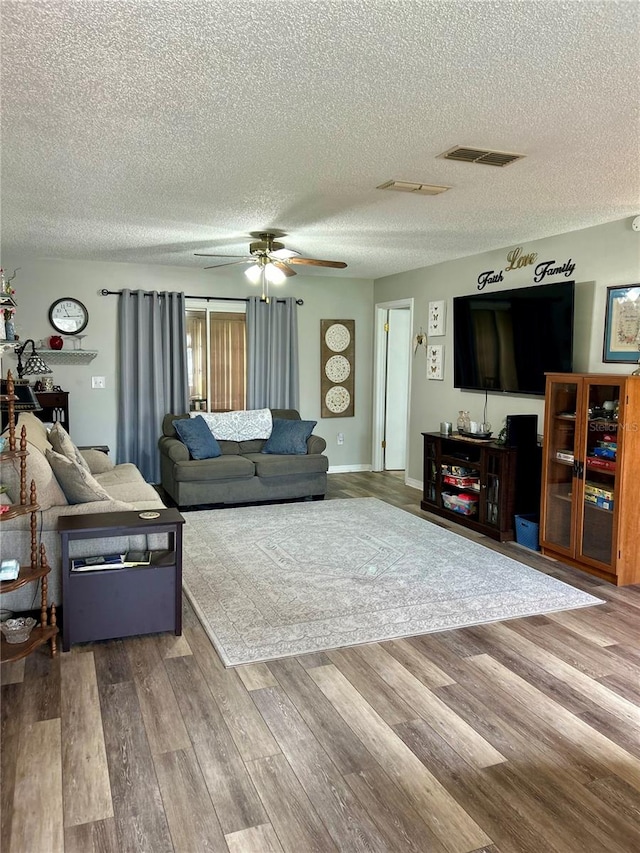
pixel 61 442
pixel 48 491
pixel 199 439
pixel 289 437
pixel 77 483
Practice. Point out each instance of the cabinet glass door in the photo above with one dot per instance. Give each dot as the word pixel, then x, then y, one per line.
pixel 430 470
pixel 560 453
pixel 491 503
pixel 598 497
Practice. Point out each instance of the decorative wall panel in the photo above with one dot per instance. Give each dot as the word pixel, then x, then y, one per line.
pixel 337 368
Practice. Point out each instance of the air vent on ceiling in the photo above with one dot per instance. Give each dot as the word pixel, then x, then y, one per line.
pixel 480 155
pixel 411 187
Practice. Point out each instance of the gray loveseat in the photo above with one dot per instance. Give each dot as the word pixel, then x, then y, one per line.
pixel 242 474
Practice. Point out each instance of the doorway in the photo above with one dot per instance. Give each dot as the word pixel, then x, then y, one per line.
pixel 392 383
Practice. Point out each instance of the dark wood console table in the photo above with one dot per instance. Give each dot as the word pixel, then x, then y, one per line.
pixel 55 407
pixel 502 480
pixel 121 602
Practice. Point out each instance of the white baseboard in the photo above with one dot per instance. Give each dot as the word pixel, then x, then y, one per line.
pixel 347 469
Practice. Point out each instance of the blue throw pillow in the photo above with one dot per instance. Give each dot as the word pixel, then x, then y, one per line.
pixel 195 433
pixel 289 437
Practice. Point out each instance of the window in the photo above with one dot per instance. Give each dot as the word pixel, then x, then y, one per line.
pixel 216 358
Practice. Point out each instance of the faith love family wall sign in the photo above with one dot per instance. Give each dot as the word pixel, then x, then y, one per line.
pixel 516 260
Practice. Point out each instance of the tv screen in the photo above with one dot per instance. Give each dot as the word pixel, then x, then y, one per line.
pixel 506 341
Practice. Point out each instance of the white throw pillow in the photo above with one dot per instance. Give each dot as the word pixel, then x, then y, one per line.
pixel 239 425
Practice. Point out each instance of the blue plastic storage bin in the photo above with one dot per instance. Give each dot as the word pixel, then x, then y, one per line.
pixel 528 531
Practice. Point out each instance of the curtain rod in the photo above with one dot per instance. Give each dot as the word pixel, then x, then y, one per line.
pixel 105 292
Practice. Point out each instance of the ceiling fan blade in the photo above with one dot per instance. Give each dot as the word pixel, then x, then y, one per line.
pixel 283 254
pixel 314 262
pixel 286 269
pixel 205 255
pixel 229 264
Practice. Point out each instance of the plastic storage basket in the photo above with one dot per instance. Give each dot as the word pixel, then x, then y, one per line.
pixel 463 503
pixel 528 531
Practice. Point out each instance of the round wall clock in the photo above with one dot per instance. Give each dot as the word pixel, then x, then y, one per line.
pixel 68 316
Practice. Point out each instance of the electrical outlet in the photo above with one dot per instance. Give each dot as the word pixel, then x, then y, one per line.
pixel 98 382
pixel 340 438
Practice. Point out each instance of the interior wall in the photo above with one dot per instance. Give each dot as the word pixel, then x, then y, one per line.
pixel 604 256
pixel 93 412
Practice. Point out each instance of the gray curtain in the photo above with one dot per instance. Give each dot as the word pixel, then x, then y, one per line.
pixel 152 373
pixel 272 354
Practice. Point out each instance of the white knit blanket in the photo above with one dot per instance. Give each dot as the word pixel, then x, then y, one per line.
pixel 240 425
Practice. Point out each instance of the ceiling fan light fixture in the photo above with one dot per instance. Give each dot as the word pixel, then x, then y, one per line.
pixel 265 245
pixel 273 274
pixel 267 252
pixel 253 273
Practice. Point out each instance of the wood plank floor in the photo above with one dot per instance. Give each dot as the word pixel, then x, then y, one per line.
pixel 517 737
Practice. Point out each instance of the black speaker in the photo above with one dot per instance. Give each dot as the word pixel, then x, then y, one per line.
pixel 522 431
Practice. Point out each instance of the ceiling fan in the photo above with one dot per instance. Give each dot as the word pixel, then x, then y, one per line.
pixel 270 260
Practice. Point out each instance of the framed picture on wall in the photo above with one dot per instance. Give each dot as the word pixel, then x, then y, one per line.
pixel 437 318
pixel 435 361
pixel 622 325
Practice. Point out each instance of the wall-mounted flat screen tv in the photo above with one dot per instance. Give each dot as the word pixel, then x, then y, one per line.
pixel 506 341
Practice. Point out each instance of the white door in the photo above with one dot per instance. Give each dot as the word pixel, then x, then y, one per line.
pixel 397 389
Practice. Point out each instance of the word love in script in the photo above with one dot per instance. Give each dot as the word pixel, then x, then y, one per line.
pixel 516 259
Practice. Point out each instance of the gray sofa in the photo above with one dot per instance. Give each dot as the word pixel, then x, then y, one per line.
pixel 242 474
pixel 125 489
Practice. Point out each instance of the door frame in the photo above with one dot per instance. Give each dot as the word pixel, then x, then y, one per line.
pixel 379 379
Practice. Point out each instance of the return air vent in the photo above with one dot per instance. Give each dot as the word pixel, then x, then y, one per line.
pixel 480 155
pixel 411 187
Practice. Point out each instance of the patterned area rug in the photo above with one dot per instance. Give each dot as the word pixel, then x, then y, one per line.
pixel 273 581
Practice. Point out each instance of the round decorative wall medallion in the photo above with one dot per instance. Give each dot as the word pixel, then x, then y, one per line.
pixel 337 399
pixel 337 337
pixel 337 368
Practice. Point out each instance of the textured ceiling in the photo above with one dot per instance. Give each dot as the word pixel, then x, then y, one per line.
pixel 146 131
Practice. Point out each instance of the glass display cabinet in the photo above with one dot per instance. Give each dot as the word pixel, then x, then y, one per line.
pixel 591 454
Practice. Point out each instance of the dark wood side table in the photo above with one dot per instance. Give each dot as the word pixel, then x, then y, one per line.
pixel 121 602
pixel 55 407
